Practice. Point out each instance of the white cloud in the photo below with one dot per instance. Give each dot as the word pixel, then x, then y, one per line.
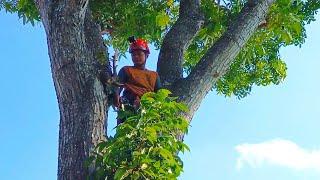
pixel 278 152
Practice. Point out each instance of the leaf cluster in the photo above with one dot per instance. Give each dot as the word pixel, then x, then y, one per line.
pixel 25 9
pixel 148 19
pixel 146 145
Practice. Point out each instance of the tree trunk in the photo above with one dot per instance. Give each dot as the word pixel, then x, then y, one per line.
pixel 74 43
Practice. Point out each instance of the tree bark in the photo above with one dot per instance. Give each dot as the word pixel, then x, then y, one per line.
pixel 73 42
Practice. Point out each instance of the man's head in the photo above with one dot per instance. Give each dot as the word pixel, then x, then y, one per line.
pixel 139 51
pixel 139 57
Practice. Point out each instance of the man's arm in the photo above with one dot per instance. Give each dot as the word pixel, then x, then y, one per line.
pixel 122 79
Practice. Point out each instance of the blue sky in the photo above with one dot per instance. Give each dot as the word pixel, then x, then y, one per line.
pixel 271 134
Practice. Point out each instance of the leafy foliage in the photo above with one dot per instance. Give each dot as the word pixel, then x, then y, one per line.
pixel 148 19
pixel 146 145
pixel 25 9
pixel 258 63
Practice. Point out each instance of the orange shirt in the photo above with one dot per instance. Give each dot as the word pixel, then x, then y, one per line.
pixel 139 81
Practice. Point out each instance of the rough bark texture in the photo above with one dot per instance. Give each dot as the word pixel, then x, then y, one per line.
pixel 74 42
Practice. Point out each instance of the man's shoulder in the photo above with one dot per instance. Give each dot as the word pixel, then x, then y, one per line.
pixel 151 72
pixel 126 67
pixel 148 70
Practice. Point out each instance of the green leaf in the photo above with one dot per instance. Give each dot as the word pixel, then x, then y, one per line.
pixel 286 35
pixel 182 107
pixel 156 164
pixel 120 174
pixel 162 19
pixel 163 93
pixel 151 134
pixel 165 153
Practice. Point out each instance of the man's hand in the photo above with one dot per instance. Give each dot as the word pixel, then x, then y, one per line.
pixel 136 103
pixel 113 81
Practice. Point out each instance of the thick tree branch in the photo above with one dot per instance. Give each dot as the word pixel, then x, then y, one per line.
pixel 177 40
pixel 219 57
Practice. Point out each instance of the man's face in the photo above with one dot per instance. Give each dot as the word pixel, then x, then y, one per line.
pixel 138 57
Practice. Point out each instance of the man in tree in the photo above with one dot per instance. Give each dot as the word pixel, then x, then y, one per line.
pixel 218 45
pixel 137 79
